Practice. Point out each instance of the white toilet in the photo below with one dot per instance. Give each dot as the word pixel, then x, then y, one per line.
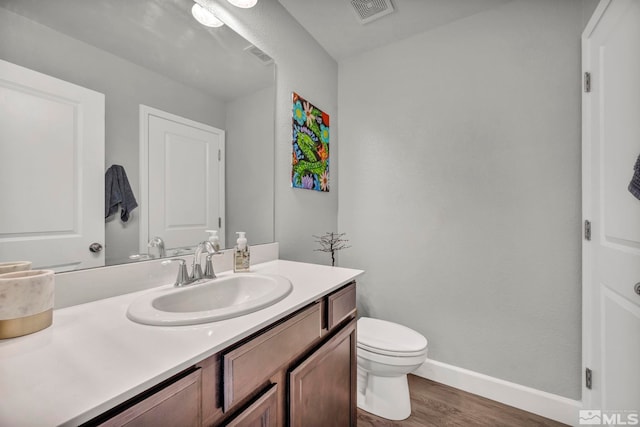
pixel 387 352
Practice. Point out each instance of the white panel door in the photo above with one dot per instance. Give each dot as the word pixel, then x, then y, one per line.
pixel 611 260
pixel 185 180
pixel 51 170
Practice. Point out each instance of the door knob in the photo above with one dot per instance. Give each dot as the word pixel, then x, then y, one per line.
pixel 95 247
pixel 637 288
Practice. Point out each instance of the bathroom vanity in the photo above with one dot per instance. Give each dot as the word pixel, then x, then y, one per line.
pixel 292 363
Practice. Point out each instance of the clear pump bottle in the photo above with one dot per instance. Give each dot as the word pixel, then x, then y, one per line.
pixel 214 239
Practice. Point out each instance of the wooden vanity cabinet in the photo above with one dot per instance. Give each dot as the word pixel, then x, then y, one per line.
pixel 341 305
pixel 175 404
pixel 322 388
pixel 211 390
pixel 261 413
pixel 300 371
pixel 253 363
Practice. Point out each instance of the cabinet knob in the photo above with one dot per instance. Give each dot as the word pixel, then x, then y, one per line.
pixel 95 247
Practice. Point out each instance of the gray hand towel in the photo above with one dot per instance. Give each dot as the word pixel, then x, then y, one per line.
pixel 634 185
pixel 117 191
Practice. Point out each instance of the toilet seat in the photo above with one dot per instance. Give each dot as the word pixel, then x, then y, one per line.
pixel 391 352
pixel 390 359
pixel 388 338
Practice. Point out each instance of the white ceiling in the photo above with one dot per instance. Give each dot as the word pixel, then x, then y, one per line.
pixel 160 35
pixel 335 25
pixel 163 36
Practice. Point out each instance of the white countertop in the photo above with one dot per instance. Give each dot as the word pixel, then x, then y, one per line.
pixel 93 357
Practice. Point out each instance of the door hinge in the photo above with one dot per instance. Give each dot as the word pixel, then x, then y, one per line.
pixel 219 222
pixel 219 155
pixel 587 229
pixel 588 378
pixel 587 82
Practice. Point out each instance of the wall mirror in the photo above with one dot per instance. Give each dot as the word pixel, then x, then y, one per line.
pixel 151 53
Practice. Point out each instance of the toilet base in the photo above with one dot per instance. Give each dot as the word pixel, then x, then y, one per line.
pixel 386 397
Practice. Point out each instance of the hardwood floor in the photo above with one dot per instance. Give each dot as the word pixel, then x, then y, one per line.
pixel 435 404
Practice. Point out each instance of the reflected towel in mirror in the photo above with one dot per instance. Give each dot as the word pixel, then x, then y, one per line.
pixel 634 185
pixel 117 191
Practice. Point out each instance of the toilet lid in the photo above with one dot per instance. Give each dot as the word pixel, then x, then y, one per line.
pixel 389 338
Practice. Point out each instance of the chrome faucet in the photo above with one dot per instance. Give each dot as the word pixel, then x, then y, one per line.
pixel 157 242
pixel 196 269
pixel 183 277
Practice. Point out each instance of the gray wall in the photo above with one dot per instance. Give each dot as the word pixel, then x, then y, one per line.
pixel 460 189
pixel 303 66
pixel 249 167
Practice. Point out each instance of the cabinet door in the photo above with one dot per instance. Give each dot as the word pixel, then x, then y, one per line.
pixel 323 388
pixel 262 413
pixel 178 404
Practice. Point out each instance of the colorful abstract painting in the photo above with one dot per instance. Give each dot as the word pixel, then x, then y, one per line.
pixel 310 163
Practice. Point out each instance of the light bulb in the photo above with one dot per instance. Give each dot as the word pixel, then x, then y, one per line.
pixel 205 17
pixel 245 4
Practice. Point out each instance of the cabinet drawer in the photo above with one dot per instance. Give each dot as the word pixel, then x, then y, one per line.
pixel 249 366
pixel 177 404
pixel 262 413
pixel 341 305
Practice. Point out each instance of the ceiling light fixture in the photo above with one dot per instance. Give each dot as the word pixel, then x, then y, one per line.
pixel 245 4
pixel 205 16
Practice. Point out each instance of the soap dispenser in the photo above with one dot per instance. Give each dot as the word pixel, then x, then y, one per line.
pixel 241 254
pixel 214 239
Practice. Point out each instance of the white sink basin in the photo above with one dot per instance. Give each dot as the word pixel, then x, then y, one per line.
pixel 216 299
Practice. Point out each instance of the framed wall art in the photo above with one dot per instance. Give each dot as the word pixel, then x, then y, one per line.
pixel 310 139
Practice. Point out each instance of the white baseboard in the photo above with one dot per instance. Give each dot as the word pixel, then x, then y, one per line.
pixel 548 405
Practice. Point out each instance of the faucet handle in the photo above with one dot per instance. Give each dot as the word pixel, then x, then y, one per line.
pixel 183 276
pixel 208 268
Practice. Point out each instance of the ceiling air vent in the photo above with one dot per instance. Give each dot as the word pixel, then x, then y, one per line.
pixel 259 54
pixel 370 10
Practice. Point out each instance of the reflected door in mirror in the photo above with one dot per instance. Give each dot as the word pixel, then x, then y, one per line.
pixel 185 179
pixel 51 170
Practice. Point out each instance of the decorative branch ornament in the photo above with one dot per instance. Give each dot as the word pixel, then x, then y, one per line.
pixel 332 242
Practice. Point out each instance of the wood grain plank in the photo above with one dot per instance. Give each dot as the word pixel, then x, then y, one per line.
pixel 435 404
